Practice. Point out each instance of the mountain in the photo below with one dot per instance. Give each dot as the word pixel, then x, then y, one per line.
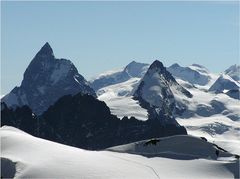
pixel 133 69
pixel 234 72
pixel 223 83
pixel 45 80
pixel 194 74
pixel 157 90
pixel 85 122
pixel 214 116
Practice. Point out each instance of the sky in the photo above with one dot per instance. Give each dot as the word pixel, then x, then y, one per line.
pixel 100 36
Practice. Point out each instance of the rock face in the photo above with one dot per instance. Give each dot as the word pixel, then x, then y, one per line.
pixel 156 92
pixel 234 72
pixel 133 69
pixel 85 122
pixel 224 82
pixel 234 94
pixel 46 79
pixel 194 74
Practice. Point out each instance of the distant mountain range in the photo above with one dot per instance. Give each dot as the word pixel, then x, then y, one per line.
pixel 194 77
pixel 141 101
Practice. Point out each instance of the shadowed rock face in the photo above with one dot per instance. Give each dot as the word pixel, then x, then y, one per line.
pixel 234 94
pixel 46 79
pixel 85 122
pixel 8 168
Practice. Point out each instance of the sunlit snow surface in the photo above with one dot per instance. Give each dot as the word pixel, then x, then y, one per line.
pixel 31 157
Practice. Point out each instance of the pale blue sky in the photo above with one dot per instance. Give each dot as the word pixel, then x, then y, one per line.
pixel 99 36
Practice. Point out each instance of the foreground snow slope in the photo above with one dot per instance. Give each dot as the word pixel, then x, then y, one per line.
pixel 25 156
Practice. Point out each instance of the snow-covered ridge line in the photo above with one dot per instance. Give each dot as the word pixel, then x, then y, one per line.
pixel 106 73
pixel 132 70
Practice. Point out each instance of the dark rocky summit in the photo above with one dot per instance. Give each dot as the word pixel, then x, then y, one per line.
pixel 45 80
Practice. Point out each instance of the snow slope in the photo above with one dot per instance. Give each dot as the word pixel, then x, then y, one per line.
pixel 25 156
pixel 205 103
pixel 119 99
pixel 194 74
pixel 214 116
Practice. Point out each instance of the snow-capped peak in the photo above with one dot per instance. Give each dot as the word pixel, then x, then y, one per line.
pixel 156 90
pixel 175 65
pixel 135 69
pixel 234 72
pixel 224 82
pixel 158 67
pixel 194 74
